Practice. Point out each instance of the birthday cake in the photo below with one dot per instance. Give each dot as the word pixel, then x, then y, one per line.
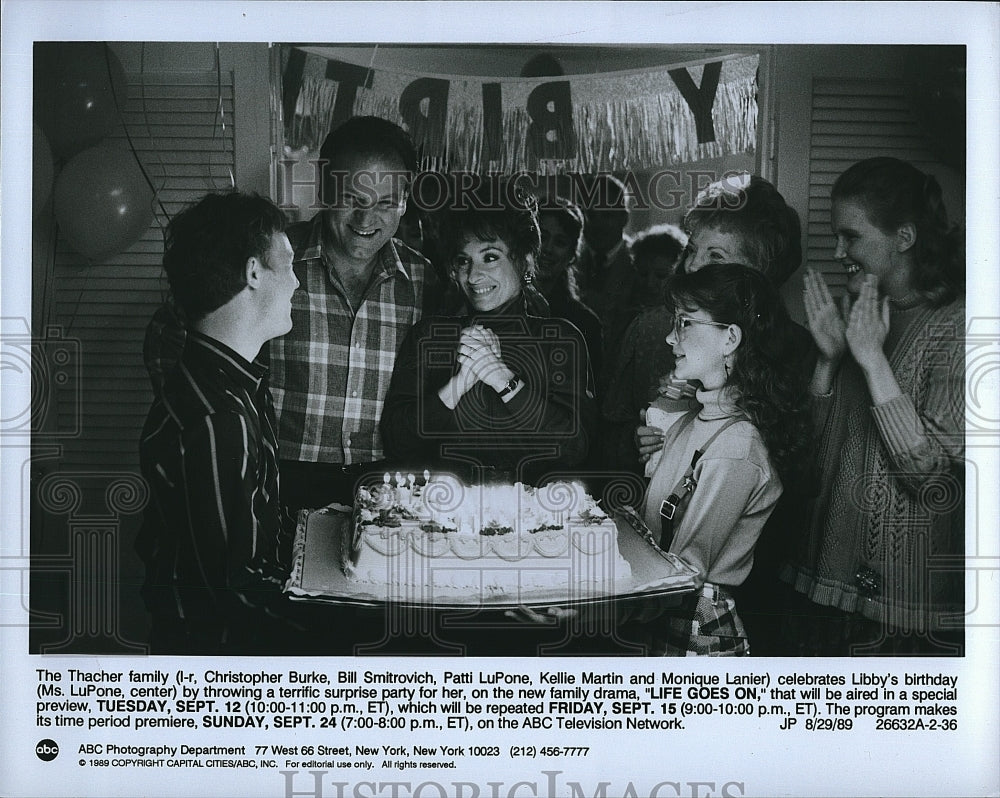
pixel 443 536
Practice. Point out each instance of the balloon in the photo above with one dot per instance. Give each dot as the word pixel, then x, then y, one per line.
pixel 103 202
pixel 42 170
pixel 76 87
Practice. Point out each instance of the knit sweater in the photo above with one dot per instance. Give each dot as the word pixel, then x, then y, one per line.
pixel 891 504
pixel 736 492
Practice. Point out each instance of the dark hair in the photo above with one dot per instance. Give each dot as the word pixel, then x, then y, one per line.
pixel 495 208
pixel 769 227
pixel 608 194
pixel 894 193
pixel 570 218
pixel 660 240
pixel 369 136
pixel 772 387
pixel 208 244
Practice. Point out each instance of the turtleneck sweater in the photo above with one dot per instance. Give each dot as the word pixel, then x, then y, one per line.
pixel 547 425
pixel 737 488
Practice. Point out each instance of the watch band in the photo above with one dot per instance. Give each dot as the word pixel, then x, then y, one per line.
pixel 510 387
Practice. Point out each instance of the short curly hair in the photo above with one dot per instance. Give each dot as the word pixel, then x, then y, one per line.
pixel 495 208
pixel 663 240
pixel 767 226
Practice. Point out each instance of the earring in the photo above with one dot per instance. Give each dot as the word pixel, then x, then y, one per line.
pixel 527 277
pixel 725 366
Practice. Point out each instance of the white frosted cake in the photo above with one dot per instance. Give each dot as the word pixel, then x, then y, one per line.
pixel 445 537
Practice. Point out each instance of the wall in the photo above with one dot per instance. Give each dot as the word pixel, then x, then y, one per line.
pixel 787 159
pixel 87 494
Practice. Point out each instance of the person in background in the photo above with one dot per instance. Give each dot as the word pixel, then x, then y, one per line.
pixel 725 462
pixel 740 220
pixel 746 220
pixel 561 224
pixel 411 229
pixel 606 273
pixel 496 393
pixel 881 560
pixel 655 252
pixel 213 539
pixel 359 295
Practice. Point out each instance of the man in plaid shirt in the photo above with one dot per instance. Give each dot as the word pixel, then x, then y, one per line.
pixel 359 294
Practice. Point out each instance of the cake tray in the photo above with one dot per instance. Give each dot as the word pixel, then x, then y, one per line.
pixel 317 574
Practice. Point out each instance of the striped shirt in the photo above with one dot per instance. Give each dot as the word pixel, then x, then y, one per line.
pixel 163 344
pixel 212 534
pixel 332 371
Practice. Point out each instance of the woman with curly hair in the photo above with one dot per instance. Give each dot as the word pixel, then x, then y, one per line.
pixel 743 219
pixel 496 391
pixel 881 562
pixel 723 464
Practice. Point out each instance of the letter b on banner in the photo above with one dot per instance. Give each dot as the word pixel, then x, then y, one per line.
pixel 424 108
pixel 551 134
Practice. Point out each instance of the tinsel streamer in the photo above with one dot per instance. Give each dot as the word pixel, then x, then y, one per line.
pixel 621 121
pixel 313 111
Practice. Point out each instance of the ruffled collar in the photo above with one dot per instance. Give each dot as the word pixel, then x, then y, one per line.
pixel 718 403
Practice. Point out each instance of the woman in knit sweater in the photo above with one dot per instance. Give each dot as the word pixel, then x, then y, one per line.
pixel 882 561
pixel 723 464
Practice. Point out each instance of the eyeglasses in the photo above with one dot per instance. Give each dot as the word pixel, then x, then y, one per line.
pixel 682 323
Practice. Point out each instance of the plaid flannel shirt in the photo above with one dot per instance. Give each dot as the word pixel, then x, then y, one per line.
pixel 330 374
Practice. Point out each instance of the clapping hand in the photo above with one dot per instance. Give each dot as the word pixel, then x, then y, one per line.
pixel 826 322
pixel 868 325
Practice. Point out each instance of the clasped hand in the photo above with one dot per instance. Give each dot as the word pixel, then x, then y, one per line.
pixel 479 358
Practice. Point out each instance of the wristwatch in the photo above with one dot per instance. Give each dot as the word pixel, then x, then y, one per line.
pixel 510 387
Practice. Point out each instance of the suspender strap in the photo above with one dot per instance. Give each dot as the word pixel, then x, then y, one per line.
pixel 678 498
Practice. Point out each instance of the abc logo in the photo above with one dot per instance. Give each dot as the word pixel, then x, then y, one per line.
pixel 46 750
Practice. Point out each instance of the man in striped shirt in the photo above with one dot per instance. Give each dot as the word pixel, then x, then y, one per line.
pixel 360 293
pixel 213 539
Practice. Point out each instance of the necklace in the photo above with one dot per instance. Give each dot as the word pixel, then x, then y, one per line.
pixel 910 300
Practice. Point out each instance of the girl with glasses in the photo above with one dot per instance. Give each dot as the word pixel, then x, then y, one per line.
pixel 724 464
pixel 740 219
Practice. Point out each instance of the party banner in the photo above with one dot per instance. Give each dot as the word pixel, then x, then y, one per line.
pixel 577 123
